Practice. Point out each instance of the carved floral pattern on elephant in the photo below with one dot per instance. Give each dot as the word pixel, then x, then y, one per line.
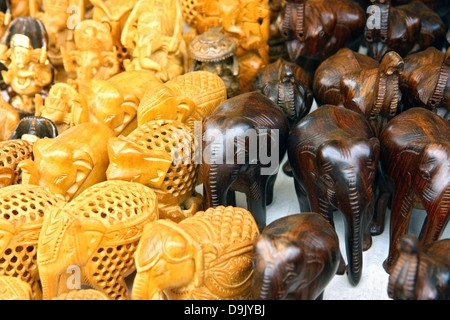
pixel 204 257
pixel 161 155
pixel 98 231
pixel 22 212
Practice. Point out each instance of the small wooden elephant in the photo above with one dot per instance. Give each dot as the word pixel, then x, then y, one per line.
pixel 421 272
pixel 22 212
pixel 295 257
pixel 93 239
pixel 334 157
pixel 404 29
pixel 415 155
pixel 244 141
pixel 12 152
pixel 205 257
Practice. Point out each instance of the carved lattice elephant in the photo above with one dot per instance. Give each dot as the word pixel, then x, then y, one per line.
pixel 96 235
pixel 12 152
pixel 204 257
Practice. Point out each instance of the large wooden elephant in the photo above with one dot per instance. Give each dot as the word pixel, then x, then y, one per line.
pixel 421 272
pixel 404 29
pixel 204 257
pixel 415 155
pixel 295 257
pixel 317 29
pixel 334 156
pixel 244 141
pixel 92 239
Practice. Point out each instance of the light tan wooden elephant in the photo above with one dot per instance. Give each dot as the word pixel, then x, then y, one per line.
pixel 91 240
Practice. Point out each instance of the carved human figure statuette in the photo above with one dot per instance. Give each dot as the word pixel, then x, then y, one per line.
pixel 97 234
pixel 204 257
pixel 22 211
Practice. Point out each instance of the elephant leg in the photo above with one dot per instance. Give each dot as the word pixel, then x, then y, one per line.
pixel 379 217
pixel 231 198
pixel 269 188
pixel 302 197
pixel 255 191
pixel 433 227
pixel 402 205
pixel 287 169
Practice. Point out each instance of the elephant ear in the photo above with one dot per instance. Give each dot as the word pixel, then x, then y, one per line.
pixel 185 107
pixel 89 238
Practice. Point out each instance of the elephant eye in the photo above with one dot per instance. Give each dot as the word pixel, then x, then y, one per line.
pixel 328 179
pixel 425 174
pixel 321 33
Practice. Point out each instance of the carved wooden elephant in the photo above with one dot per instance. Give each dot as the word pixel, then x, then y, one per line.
pixel 295 257
pixel 161 155
pixel 415 155
pixel 404 29
pixel 71 162
pixel 334 156
pixel 317 29
pixel 186 98
pixel 424 80
pixel 22 212
pixel 421 272
pixel 360 83
pixel 204 257
pixel 244 141
pixel 12 152
pixel 92 239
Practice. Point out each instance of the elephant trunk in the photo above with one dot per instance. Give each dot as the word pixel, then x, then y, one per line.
pixel 143 289
pixel 217 180
pixel 49 281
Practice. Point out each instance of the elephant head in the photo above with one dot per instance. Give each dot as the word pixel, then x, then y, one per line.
pixel 420 273
pixel 205 257
pixel 295 257
pixel 71 162
pixel 186 98
pixel 95 235
pixel 12 152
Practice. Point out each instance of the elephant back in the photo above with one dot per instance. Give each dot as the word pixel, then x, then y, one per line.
pixel 232 232
pixel 22 209
pixel 12 288
pixel 11 153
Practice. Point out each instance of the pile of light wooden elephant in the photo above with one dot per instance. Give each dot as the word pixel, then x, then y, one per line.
pixel 114 114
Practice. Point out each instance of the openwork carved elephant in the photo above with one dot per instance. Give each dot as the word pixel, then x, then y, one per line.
pixel 421 272
pixel 71 162
pixel 244 141
pixel 295 257
pixel 92 239
pixel 415 155
pixel 12 152
pixel 22 212
pixel 360 83
pixel 317 29
pixel 204 257
pixel 334 156
pixel 404 29
pixel 161 155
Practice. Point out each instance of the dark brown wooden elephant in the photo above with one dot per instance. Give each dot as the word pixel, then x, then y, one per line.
pixel 415 156
pixel 295 257
pixel 421 272
pixel 404 29
pixel 334 154
pixel 316 29
pixel 358 82
pixel 244 141
pixel 424 81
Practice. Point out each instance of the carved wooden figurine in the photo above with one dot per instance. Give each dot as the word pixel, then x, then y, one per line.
pixel 29 72
pixel 159 154
pixel 12 288
pixel 12 152
pixel 204 257
pixel 9 118
pixel 421 272
pixel 94 237
pixel 244 141
pixel 71 162
pixel 317 29
pixel 334 156
pixel 94 56
pixel 295 257
pixel 22 211
pixel 247 21
pixel 277 44
pixel 213 51
pixel 415 155
pixel 359 83
pixel 187 98
pixel 153 34
pixel 404 29
pixel 424 82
